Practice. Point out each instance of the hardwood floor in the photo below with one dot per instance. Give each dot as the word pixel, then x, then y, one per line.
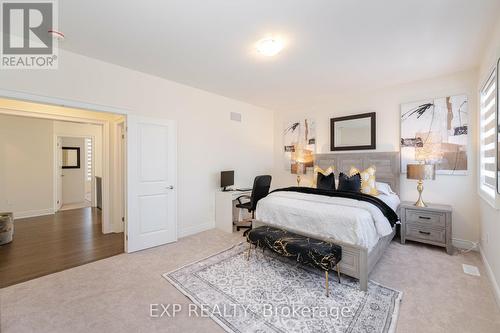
pixel 48 244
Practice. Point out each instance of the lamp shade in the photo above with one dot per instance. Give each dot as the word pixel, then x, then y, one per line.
pixel 421 171
pixel 302 155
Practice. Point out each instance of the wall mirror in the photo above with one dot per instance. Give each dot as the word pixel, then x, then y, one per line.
pixel 70 157
pixel 355 132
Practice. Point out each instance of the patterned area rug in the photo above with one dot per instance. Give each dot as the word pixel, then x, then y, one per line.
pixel 272 294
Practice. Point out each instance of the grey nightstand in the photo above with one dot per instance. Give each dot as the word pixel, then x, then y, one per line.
pixel 431 224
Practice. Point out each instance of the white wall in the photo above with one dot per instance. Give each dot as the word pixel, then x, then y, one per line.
pixel 26 166
pixel 208 141
pixel 455 190
pixel 73 182
pixel 489 216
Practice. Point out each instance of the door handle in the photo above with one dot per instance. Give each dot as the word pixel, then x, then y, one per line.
pixel 171 187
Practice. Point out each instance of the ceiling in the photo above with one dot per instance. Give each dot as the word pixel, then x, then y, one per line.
pixel 332 46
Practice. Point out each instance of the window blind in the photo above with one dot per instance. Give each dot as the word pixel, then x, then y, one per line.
pixel 488 137
pixel 89 159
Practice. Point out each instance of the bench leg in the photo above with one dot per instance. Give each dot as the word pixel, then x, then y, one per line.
pixel 326 283
pixel 338 273
pixel 249 249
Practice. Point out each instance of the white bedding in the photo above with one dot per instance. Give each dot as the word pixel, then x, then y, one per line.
pixel 348 220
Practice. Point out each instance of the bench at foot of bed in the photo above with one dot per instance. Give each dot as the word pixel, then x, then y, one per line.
pixel 313 252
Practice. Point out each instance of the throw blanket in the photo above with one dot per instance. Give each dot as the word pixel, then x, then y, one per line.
pixel 391 216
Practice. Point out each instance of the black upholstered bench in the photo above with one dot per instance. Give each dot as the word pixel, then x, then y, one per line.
pixel 309 251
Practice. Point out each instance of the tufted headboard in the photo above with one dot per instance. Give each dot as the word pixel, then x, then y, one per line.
pixel 386 163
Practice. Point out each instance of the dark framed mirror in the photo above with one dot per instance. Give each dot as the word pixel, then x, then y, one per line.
pixel 70 157
pixel 356 132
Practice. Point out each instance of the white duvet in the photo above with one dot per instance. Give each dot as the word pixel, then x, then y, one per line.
pixel 348 220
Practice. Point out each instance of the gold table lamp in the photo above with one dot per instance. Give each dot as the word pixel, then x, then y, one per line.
pixel 302 158
pixel 420 172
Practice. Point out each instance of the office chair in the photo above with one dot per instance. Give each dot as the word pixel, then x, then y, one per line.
pixel 260 189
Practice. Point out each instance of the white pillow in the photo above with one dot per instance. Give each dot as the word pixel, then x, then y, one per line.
pixel 384 188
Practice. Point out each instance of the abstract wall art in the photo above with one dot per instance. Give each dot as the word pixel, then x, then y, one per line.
pixel 299 145
pixel 436 131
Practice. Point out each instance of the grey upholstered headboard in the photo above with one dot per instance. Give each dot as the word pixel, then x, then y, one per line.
pixel 386 163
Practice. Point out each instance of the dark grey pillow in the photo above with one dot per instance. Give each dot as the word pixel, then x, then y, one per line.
pixel 325 182
pixel 349 184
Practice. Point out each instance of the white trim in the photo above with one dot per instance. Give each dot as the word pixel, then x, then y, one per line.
pixel 51 116
pixel 493 202
pixel 21 96
pixel 184 232
pixel 33 213
pixel 491 276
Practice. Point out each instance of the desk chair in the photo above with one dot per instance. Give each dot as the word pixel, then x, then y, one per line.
pixel 260 189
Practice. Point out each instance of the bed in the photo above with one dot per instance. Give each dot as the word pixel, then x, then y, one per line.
pixel 363 237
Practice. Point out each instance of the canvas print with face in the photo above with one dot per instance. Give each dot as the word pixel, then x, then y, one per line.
pixel 436 131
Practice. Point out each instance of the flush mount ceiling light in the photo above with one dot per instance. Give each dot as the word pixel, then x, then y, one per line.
pixel 269 46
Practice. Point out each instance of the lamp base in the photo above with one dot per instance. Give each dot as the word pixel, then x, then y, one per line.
pixel 420 203
pixel 298 180
pixel 420 189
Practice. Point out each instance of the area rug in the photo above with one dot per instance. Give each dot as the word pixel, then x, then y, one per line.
pixel 268 293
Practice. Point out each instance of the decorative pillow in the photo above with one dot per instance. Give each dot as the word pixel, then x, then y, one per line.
pixel 325 182
pixel 349 183
pixel 367 180
pixel 384 188
pixel 318 171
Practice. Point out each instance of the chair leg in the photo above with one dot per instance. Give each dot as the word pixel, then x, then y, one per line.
pixel 338 273
pixel 326 284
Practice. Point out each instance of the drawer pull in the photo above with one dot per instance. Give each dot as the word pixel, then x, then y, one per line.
pixel 424 217
pixel 424 232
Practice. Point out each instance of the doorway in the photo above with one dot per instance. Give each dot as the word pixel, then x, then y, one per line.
pixel 145 211
pixel 74 172
pixel 73 228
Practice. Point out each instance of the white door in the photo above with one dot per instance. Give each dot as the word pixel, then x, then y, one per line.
pixel 152 180
pixel 59 173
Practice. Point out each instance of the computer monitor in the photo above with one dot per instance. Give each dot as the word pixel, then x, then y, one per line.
pixel 226 179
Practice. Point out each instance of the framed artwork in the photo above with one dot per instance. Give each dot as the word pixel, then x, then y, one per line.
pixel 436 131
pixel 299 145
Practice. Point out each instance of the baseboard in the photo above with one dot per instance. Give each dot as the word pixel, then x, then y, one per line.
pixel 465 244
pixel 195 229
pixel 33 213
pixel 491 276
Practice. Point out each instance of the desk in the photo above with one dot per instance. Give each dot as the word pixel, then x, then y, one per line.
pixel 224 208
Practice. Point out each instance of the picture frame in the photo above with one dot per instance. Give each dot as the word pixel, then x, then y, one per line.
pixel 355 132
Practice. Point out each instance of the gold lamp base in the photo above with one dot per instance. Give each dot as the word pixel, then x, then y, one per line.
pixel 420 189
pixel 298 180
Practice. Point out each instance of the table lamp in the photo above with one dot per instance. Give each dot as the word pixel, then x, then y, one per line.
pixel 302 158
pixel 420 172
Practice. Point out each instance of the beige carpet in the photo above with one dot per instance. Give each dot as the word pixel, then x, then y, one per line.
pixel 114 294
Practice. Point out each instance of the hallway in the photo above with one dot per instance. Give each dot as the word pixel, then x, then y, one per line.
pixel 48 244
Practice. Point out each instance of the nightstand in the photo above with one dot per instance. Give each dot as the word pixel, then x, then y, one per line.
pixel 431 224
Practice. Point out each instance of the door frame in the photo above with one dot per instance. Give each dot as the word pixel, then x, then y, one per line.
pixel 120 175
pixel 66 103
pixel 56 162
